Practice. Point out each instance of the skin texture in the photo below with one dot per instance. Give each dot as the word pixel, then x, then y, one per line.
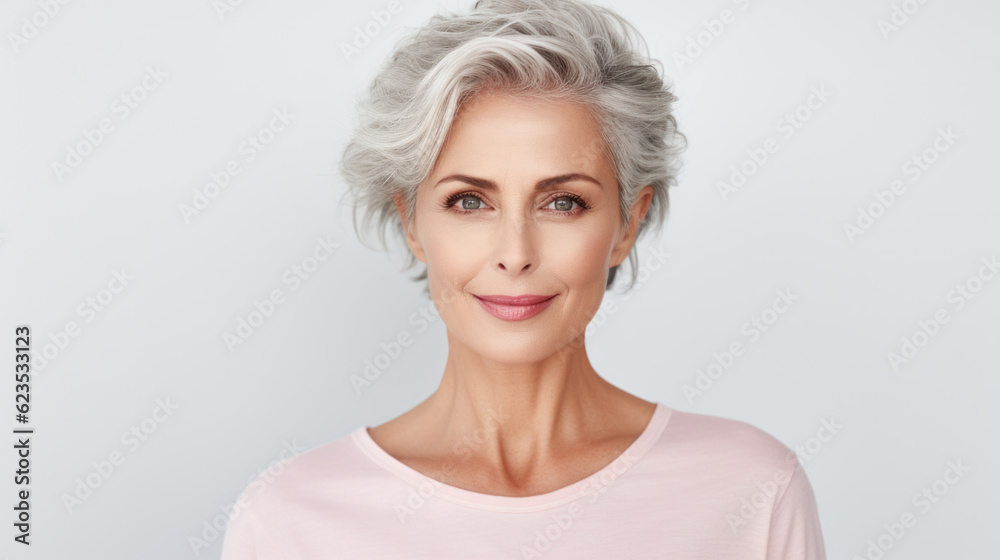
pixel 520 411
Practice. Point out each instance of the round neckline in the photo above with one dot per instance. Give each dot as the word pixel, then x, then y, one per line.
pixel 428 487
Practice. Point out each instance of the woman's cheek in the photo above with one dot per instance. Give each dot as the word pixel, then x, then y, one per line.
pixel 581 255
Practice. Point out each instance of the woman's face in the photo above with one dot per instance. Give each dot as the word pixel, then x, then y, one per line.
pixel 522 201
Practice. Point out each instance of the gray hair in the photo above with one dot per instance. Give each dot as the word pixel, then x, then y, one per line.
pixel 565 50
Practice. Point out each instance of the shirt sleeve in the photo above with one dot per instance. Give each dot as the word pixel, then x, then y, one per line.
pixel 795 532
pixel 240 542
pixel 246 540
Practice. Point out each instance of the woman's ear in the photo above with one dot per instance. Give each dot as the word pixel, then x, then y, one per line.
pixel 636 215
pixel 409 228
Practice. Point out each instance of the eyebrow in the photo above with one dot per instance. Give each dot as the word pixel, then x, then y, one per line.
pixel 541 185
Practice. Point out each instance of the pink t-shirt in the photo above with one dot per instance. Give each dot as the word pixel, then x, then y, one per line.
pixel 692 486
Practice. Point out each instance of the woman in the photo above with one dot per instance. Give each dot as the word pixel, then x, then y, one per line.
pixel 520 150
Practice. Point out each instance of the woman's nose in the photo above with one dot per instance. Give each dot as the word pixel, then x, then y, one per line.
pixel 514 244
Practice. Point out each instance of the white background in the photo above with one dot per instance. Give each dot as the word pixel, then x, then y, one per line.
pixel 64 234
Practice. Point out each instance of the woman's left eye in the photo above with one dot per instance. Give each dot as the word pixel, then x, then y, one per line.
pixel 564 203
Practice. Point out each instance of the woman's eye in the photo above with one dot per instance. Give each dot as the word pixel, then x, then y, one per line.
pixel 470 203
pixel 564 203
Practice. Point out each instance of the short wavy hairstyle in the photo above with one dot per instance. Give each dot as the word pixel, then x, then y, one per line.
pixel 562 50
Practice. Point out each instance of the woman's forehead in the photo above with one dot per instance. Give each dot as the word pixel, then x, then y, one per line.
pixel 523 129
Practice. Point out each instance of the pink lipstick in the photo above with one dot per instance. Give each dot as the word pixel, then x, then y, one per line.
pixel 515 308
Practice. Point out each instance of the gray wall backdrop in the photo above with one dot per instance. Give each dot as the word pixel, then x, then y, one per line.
pixel 866 133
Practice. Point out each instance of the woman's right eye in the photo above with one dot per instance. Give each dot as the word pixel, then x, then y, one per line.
pixel 465 202
pixel 472 201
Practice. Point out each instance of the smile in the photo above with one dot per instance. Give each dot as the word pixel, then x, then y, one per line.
pixel 514 308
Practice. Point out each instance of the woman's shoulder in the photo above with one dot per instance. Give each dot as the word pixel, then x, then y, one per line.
pixel 284 497
pixel 719 443
pixel 326 469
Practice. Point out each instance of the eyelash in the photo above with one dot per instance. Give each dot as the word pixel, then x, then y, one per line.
pixel 451 200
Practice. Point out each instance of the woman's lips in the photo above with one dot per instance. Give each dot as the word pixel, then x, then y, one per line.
pixel 514 308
